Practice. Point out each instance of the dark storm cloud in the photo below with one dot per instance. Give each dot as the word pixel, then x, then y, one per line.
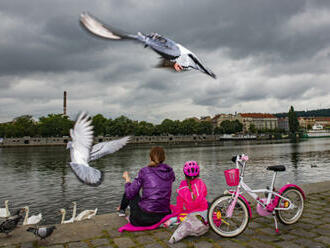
pixel 261 50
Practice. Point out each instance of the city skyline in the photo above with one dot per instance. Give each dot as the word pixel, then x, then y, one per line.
pixel 267 56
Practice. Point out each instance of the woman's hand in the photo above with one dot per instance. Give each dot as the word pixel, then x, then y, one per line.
pixel 126 177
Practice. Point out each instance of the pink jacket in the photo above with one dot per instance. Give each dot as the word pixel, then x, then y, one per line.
pixel 184 200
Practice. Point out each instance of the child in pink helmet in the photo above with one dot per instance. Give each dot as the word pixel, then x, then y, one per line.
pixel 191 192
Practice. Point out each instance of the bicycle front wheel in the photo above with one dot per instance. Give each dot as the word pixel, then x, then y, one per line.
pixel 290 216
pixel 228 227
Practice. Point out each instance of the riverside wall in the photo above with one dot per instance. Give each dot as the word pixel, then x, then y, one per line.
pixel 58 141
pixel 166 139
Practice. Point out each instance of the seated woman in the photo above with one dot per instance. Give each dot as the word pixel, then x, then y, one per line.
pixel 155 181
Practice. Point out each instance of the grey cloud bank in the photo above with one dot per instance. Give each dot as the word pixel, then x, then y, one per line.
pixel 267 55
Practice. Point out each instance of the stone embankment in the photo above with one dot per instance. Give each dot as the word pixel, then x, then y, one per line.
pixel 170 139
pixel 53 141
pixel 312 230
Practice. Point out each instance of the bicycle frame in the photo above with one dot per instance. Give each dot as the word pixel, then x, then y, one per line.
pixel 266 208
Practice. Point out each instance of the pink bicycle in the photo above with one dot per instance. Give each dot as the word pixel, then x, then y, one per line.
pixel 230 213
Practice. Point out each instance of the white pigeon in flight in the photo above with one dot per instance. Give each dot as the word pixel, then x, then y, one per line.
pixel 102 149
pixel 173 54
pixel 82 152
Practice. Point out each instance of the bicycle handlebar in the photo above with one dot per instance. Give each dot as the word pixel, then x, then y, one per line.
pixel 240 158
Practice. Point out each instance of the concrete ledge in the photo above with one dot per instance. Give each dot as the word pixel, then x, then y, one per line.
pixel 312 188
pixel 106 225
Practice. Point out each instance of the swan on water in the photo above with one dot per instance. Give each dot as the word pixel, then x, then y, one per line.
pixel 32 220
pixel 4 212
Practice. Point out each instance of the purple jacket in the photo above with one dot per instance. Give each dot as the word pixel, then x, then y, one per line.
pixel 156 184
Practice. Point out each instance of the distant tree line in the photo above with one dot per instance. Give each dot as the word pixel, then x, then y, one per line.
pixel 57 125
pixel 310 113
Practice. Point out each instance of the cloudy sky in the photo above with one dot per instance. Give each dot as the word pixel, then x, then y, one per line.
pixel 267 55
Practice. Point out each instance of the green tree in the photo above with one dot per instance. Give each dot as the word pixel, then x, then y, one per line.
pixel 121 126
pixel 219 130
pixel 55 125
pixel 252 128
pixel 238 126
pixel 293 121
pixel 100 125
pixel 144 128
pixel 189 126
pixel 2 130
pixel 21 126
pixel 205 127
pixel 169 127
pixel 227 127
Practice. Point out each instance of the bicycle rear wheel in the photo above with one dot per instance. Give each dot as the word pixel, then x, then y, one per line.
pixel 291 216
pixel 228 227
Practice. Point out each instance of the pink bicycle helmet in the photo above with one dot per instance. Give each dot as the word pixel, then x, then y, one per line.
pixel 191 169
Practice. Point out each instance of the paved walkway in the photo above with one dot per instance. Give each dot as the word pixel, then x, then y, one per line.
pixel 312 230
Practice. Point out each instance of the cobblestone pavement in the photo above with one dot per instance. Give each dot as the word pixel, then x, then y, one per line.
pixel 312 230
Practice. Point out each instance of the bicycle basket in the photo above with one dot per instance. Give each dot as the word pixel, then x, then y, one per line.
pixel 232 177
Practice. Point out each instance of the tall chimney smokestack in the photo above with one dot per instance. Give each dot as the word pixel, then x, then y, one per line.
pixel 64 104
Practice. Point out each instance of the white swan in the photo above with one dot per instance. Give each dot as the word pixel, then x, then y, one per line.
pixel 32 220
pixel 63 212
pixel 4 212
pixel 86 214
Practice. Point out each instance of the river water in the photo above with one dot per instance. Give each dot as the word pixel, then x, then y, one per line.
pixel 40 177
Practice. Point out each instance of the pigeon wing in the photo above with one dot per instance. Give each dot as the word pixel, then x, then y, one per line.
pixel 42 232
pixel 99 29
pixel 104 148
pixel 82 140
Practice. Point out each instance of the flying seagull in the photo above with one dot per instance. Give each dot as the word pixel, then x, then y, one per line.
pixel 82 141
pixel 172 53
pixel 42 232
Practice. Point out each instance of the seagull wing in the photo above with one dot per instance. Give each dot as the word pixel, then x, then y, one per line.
pixel 101 30
pixel 104 148
pixel 82 140
pixel 199 66
pixel 165 47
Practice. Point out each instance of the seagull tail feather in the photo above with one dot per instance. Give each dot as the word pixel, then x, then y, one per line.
pixel 94 26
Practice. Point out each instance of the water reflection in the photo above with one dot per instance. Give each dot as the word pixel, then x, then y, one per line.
pixel 295 154
pixel 40 176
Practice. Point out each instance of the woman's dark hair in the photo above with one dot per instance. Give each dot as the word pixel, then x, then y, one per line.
pixel 157 155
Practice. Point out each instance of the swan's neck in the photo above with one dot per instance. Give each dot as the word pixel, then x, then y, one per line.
pixel 63 217
pixel 26 216
pixel 7 209
pixel 74 211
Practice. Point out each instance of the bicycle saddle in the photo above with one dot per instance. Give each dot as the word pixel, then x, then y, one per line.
pixel 276 168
